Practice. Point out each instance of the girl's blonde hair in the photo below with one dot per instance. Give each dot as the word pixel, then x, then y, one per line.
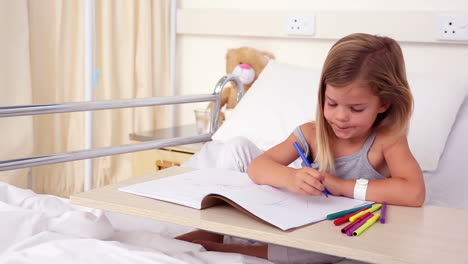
pixel 377 62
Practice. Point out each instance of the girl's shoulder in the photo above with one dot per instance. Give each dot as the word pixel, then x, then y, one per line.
pixel 388 140
pixel 308 129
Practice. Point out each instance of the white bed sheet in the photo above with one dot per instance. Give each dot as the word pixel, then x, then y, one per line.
pixel 46 229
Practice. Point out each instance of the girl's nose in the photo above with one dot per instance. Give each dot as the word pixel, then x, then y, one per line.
pixel 342 114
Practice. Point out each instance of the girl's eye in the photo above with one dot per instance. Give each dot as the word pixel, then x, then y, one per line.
pixel 356 110
pixel 331 104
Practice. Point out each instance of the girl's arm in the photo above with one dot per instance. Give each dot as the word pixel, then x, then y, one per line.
pixel 271 168
pixel 404 187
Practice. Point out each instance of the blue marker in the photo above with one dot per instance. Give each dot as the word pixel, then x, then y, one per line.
pixel 306 161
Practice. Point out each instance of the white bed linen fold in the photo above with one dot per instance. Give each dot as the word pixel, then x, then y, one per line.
pixel 47 229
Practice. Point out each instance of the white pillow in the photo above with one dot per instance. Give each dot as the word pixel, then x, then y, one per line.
pixel 285 96
pixel 447 185
pixel 436 104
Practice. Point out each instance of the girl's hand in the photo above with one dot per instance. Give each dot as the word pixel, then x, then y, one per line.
pixel 332 183
pixel 306 181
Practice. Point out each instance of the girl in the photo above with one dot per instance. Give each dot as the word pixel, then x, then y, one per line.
pixel 358 141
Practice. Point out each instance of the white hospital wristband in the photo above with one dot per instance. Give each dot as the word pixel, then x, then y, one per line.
pixel 360 189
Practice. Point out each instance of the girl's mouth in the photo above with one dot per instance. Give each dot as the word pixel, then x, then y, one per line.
pixel 342 128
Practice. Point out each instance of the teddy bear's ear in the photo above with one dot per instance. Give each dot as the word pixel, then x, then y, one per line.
pixel 268 55
pixel 229 53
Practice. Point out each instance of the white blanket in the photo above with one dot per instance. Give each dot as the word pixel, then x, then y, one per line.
pixel 46 229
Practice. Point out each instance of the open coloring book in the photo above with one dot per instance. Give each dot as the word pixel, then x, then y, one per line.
pixel 203 188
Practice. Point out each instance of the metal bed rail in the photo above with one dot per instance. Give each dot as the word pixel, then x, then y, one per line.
pixel 25 110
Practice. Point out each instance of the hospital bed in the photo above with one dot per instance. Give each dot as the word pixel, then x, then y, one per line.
pixel 126 228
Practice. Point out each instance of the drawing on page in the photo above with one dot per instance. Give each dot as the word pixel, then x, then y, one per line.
pixel 279 203
pixel 229 187
pixel 195 183
pixel 268 196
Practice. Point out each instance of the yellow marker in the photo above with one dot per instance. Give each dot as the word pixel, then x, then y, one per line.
pixel 366 225
pixel 374 208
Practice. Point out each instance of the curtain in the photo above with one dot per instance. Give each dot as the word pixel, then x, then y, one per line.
pixel 57 50
pixel 15 87
pixel 132 56
pixel 42 63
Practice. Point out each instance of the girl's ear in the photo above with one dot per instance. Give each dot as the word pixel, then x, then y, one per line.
pixel 383 106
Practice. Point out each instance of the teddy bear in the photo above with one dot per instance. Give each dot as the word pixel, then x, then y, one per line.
pixel 246 63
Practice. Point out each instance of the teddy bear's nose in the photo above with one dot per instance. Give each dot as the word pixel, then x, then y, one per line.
pixel 245 66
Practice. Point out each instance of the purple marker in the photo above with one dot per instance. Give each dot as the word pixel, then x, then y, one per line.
pixel 383 211
pixel 356 226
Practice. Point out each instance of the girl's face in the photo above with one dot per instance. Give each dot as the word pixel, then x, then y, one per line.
pixel 351 110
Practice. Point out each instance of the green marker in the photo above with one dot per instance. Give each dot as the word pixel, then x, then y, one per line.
pixel 345 212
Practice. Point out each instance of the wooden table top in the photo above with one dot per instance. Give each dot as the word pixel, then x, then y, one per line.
pixel 430 234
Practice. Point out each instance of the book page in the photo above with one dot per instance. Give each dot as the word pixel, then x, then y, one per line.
pixel 278 207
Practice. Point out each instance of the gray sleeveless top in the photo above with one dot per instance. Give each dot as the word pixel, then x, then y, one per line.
pixel 350 167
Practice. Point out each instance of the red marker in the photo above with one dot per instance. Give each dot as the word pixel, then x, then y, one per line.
pixel 346 228
pixel 345 218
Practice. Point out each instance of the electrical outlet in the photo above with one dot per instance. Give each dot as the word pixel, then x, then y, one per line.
pixel 452 27
pixel 300 24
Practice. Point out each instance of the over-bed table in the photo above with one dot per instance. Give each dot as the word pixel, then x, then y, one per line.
pixel 430 234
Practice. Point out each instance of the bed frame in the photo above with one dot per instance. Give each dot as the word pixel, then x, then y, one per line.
pixel 25 110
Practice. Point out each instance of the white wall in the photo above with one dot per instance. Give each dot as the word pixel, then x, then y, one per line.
pixel 201 52
pixel 400 5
